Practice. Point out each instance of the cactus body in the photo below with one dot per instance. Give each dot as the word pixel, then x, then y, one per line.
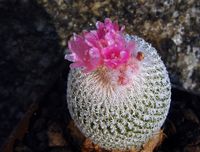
pixel 124 116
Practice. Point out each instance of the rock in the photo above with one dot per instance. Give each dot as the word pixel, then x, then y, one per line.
pixel 158 22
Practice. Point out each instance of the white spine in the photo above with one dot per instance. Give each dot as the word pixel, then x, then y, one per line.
pixel 123 117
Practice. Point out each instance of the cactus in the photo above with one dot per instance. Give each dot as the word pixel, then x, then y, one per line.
pixel 118 102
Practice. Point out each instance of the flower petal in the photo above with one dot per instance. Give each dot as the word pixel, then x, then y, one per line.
pixel 71 57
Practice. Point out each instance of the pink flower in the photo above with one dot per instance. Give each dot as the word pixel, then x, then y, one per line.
pixel 114 56
pixel 105 46
pixel 82 54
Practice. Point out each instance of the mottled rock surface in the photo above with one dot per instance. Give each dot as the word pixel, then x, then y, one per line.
pixel 171 26
pixel 30 59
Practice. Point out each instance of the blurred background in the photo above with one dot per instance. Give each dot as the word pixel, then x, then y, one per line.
pixel 33 72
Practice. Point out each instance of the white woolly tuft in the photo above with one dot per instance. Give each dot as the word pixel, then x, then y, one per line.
pixel 128 115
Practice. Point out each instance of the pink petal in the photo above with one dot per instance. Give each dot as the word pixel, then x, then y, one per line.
pixel 99 25
pixel 115 26
pixel 91 39
pixel 122 28
pixel 78 46
pixel 130 47
pixel 104 46
pixel 76 65
pixel 110 38
pixel 94 53
pixel 95 57
pixel 124 55
pixel 71 57
pixel 108 24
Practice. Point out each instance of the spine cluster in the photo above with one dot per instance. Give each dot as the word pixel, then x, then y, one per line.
pixel 121 116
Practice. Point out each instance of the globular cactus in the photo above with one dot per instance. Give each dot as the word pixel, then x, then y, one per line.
pixel 118 90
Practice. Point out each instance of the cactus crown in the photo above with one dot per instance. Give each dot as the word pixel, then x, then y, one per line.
pixel 118 96
pixel 103 50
